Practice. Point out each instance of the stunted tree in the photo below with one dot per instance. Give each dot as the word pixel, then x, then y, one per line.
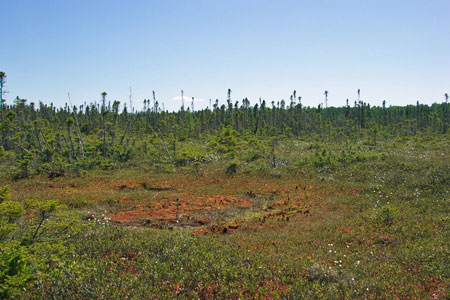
pixel 145 104
pixel 155 103
pixel 77 125
pixel 116 105
pixel 69 122
pixel 2 84
pixel 104 121
pixel 230 104
pixel 104 100
pixel 182 100
pixel 446 113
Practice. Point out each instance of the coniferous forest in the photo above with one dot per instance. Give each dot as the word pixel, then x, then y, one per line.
pixel 55 140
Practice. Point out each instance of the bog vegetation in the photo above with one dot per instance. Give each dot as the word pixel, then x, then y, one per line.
pixel 271 201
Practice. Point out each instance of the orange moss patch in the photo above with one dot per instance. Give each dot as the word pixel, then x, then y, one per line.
pixel 188 199
pixel 173 211
pixel 202 220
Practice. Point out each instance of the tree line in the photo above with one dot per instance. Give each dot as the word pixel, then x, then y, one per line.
pixel 49 138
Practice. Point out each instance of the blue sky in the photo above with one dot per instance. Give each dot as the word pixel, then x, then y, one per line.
pixel 398 51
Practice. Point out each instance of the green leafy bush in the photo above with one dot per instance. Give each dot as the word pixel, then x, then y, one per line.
pixel 386 215
pixel 31 245
pixel 226 142
pixel 15 270
pixel 190 154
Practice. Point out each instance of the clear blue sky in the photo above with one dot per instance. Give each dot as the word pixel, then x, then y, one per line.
pixel 393 50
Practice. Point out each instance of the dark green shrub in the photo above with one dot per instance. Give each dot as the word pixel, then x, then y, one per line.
pixel 232 167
